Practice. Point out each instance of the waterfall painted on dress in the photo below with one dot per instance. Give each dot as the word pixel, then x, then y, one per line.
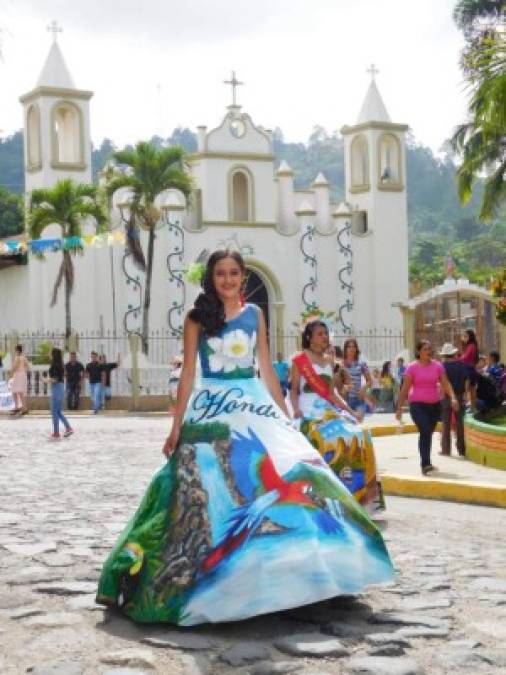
pixel 309 276
pixel 175 268
pixel 345 277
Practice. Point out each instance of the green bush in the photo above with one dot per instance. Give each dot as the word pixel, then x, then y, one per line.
pixel 43 353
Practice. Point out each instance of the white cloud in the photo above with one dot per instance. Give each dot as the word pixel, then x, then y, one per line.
pixel 303 62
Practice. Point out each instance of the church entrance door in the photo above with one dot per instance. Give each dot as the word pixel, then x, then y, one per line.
pixel 256 292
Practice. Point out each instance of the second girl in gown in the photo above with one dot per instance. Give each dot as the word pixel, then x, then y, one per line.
pixel 329 423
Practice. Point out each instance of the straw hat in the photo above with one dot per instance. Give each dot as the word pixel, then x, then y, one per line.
pixel 448 349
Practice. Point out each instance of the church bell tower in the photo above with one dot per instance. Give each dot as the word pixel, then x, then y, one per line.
pixel 56 125
pixel 375 168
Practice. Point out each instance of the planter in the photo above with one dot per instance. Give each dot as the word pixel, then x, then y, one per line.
pixel 486 439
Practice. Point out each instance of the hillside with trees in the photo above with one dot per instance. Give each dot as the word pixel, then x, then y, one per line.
pixel 438 224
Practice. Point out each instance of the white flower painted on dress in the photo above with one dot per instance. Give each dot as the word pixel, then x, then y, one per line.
pixel 234 350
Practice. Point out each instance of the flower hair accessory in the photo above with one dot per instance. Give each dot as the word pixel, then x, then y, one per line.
pixel 197 269
pixel 195 273
pixel 314 313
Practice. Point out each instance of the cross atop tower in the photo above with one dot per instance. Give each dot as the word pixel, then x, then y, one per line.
pixel 54 28
pixel 373 71
pixel 234 83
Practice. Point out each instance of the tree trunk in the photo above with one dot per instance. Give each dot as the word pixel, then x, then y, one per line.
pixel 68 290
pixel 147 291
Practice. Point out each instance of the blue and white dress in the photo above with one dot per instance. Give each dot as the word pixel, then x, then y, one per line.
pixel 246 517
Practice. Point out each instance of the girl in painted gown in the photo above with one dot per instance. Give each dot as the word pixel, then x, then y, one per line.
pixel 245 517
pixel 329 423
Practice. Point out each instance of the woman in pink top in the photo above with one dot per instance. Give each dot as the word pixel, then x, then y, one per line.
pixel 423 384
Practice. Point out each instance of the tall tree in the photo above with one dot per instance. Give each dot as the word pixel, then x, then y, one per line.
pixel 11 213
pixel 150 171
pixel 69 205
pixel 482 140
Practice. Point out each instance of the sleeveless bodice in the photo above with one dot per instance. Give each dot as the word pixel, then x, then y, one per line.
pixel 310 403
pixel 230 355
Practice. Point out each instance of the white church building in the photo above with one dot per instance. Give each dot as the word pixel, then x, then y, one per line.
pixel 301 249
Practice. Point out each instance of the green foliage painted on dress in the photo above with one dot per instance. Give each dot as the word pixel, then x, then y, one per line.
pixel 204 433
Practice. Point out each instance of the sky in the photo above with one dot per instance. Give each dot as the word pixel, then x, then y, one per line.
pixel 157 64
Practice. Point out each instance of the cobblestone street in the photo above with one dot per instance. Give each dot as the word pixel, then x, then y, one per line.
pixel 62 505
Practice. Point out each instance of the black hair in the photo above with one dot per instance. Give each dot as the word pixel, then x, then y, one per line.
pixel 419 345
pixel 471 337
pixel 308 331
pixel 338 352
pixel 385 370
pixel 495 356
pixel 348 343
pixel 208 309
pixel 57 358
pixel 19 348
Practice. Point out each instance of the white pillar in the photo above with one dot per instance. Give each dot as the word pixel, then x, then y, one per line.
pixel 342 217
pixel 321 189
pixel 201 138
pixel 309 268
pixel 287 222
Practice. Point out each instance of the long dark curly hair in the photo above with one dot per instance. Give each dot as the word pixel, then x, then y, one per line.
pixel 208 309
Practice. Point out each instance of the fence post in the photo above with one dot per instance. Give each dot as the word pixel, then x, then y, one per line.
pixel 133 341
pixel 13 341
pixel 73 343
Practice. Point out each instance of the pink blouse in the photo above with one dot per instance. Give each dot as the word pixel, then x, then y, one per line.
pixel 470 355
pixel 425 382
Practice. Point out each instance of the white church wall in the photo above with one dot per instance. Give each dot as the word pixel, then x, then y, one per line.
pixel 212 178
pixel 15 300
pixel 253 141
pixel 301 196
pixel 328 292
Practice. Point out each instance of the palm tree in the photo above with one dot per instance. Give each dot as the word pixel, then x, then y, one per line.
pixel 482 140
pixel 151 170
pixel 67 204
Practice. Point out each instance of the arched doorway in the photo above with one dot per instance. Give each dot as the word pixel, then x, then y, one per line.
pixel 257 293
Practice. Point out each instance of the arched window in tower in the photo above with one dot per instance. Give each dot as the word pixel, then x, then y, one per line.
pixel 389 158
pixel 33 137
pixel 359 163
pixel 241 196
pixel 67 134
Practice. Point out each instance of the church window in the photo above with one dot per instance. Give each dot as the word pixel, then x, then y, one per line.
pixel 67 134
pixel 33 137
pixel 241 197
pixel 389 157
pixel 359 223
pixel 359 162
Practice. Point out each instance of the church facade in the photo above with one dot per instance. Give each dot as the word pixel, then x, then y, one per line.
pixel 301 249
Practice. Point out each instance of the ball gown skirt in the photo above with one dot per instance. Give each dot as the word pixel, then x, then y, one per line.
pixel 345 445
pixel 246 517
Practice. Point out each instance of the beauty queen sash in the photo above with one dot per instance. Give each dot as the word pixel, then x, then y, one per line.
pixel 317 384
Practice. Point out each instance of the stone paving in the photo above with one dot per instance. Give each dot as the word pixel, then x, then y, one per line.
pixel 62 505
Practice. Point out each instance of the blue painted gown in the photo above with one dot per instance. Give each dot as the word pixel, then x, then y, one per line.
pixel 246 517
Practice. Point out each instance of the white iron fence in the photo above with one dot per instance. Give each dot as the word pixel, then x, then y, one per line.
pixel 152 373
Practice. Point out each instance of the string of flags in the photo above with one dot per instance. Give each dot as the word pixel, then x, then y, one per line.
pixel 41 246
